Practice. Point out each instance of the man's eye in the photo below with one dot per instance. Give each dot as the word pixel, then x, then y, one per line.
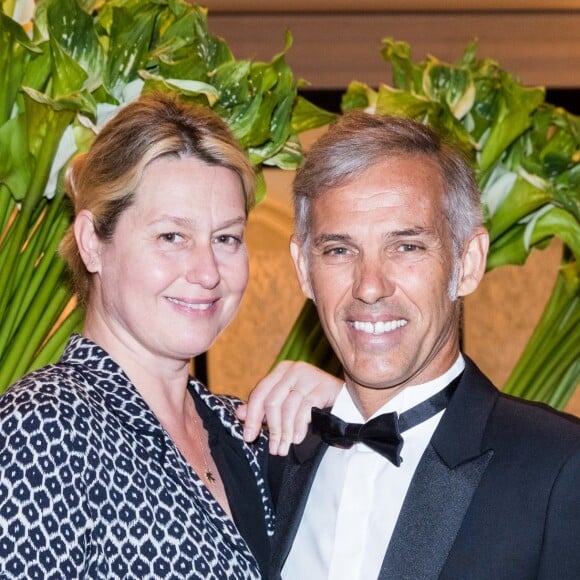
pixel 340 251
pixel 408 247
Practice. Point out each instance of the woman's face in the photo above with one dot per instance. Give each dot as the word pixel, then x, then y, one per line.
pixel 173 276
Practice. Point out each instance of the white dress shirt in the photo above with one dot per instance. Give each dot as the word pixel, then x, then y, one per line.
pixel 357 495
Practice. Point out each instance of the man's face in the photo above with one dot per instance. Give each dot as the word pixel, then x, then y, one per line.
pixel 379 265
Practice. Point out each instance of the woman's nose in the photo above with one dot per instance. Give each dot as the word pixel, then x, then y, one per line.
pixel 202 268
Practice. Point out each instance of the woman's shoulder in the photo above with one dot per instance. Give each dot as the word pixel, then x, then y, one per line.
pixel 47 381
pixel 54 392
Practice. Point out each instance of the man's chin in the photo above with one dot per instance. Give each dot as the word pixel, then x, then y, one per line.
pixel 380 380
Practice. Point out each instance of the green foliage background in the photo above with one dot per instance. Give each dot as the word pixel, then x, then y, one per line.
pixel 61 78
pixel 68 71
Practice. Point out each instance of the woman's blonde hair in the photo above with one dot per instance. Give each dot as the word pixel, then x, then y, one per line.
pixel 104 179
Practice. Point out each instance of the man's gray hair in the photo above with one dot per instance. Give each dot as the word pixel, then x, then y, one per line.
pixel 359 140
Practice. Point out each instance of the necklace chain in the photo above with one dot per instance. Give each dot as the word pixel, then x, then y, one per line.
pixel 207 471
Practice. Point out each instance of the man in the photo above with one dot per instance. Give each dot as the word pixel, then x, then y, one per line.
pixel 475 484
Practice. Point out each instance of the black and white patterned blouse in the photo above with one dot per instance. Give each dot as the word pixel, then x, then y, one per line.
pixel 91 486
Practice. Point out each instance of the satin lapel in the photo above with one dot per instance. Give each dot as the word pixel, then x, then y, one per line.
pixel 296 483
pixel 444 483
pixel 431 517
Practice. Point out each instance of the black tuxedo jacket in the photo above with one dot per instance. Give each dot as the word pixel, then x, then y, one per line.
pixel 496 496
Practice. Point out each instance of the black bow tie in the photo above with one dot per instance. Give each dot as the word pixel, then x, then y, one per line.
pixel 383 433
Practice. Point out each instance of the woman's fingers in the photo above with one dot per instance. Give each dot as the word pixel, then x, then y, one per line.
pixel 284 399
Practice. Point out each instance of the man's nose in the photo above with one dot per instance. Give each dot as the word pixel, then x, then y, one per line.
pixel 373 280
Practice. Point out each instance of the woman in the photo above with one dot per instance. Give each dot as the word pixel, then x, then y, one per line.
pixel 114 462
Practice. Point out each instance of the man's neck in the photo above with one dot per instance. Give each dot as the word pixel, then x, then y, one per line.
pixel 369 400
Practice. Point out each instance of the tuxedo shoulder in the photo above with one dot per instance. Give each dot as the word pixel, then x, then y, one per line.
pixel 529 422
pixel 514 416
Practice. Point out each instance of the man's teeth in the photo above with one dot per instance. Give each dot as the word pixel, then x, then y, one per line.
pixel 378 327
pixel 203 306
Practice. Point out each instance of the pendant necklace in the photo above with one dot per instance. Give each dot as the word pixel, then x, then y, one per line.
pixel 209 476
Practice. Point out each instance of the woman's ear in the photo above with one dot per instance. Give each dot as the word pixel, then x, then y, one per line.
pixel 301 264
pixel 473 262
pixel 88 241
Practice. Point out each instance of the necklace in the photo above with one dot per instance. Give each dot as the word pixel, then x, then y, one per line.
pixel 209 476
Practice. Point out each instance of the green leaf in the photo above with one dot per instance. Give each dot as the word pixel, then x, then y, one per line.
pixel 557 155
pixel 46 122
pixel 513 117
pixel 359 96
pixel 451 85
pixel 184 86
pixel 307 116
pixel 398 102
pixel 127 43
pixel 260 192
pixel 289 157
pixel 67 75
pixel 437 114
pixel 15 51
pixel 567 195
pixel 508 249
pixel 232 83
pixel 406 76
pixel 552 222
pixel 38 70
pixel 73 29
pixel 16 163
pixel 520 199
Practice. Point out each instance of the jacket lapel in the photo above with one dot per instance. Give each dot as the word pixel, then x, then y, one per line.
pixel 297 480
pixel 431 517
pixel 443 485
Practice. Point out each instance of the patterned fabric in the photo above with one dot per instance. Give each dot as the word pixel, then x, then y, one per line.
pixel 91 486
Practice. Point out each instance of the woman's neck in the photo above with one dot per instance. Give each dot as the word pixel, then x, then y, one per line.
pixel 161 381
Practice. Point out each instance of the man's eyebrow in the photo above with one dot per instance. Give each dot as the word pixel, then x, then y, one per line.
pixel 323 238
pixel 414 231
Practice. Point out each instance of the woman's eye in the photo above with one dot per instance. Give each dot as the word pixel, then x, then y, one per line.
pixel 229 240
pixel 171 237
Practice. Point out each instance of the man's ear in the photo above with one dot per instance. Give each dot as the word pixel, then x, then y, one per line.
pixel 301 265
pixel 88 241
pixel 473 262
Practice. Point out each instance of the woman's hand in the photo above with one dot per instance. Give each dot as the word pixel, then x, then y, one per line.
pixel 284 398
